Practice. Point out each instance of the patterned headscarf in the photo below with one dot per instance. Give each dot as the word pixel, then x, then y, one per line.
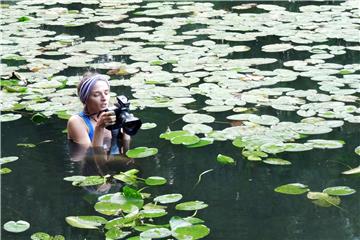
pixel 88 84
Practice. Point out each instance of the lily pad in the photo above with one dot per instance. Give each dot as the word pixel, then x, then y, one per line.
pixel 154 181
pixel 223 159
pixel 191 206
pixel 146 126
pixel 198 118
pixel 5 170
pixel 8 159
pixel 16 227
pixel 191 232
pixel 171 134
pixel 168 198
pixel 155 233
pixel 352 171
pixel 185 140
pixel 141 152
pixel 87 222
pixel 292 188
pixel 323 199
pixel 339 191
pixel 203 142
pixel 276 161
pixel 9 117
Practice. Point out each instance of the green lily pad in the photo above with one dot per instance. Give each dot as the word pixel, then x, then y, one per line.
pixel 8 159
pixel 154 181
pixel 339 191
pixel 292 188
pixel 276 161
pixel 108 208
pixel 185 140
pixel 87 222
pixel 323 199
pixel 168 198
pixel 16 227
pixel 325 144
pixel 75 178
pixel 191 206
pixel 153 213
pixel 40 236
pixel 9 117
pixel 223 159
pixel 39 118
pixel 171 134
pixel 155 233
pixel 191 232
pixel 5 170
pixel 141 152
pixel 116 233
pixel 203 142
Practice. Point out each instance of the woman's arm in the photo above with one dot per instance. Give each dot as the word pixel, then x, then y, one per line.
pixel 77 131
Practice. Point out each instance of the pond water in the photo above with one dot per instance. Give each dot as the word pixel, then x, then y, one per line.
pixel 242 203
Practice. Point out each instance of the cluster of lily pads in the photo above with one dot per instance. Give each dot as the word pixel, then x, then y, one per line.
pixel 327 198
pixel 133 212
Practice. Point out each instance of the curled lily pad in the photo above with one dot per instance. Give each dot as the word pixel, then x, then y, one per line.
pixel 16 227
pixel 168 198
pixel 292 188
pixel 191 206
pixel 225 159
pixel 141 152
pixel 8 159
pixel 154 181
pixel 339 191
pixel 9 117
pixel 87 222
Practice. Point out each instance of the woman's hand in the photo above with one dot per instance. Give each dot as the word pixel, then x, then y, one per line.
pixel 106 119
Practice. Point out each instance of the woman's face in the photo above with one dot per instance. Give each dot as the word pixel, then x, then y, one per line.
pixel 99 97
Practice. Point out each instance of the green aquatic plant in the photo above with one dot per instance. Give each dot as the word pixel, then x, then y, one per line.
pixel 132 212
pixel 45 236
pixel 16 227
pixel 327 198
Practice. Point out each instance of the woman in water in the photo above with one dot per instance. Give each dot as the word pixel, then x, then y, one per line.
pixel 88 128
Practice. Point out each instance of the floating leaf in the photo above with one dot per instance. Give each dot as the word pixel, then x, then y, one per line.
pixel 292 188
pixel 141 152
pixel 116 233
pixel 276 161
pixel 352 171
pixel 323 199
pixel 203 142
pixel 191 232
pixel 26 145
pixel 8 159
pixel 16 227
pixel 198 118
pixel 153 213
pixel 325 144
pixel 168 198
pixel 155 233
pixel 9 117
pixel 108 208
pixel 146 126
pixel 154 181
pixel 185 140
pixel 41 236
pixel 171 134
pixel 357 150
pixel 87 222
pixel 191 206
pixel 339 191
pixel 5 170
pixel 39 118
pixel 223 159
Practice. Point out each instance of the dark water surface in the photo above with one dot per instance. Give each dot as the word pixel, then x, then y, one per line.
pixel 242 202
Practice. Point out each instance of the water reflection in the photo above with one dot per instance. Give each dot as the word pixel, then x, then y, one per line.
pixel 99 161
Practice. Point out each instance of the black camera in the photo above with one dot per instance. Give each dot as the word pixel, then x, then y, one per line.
pixel 124 119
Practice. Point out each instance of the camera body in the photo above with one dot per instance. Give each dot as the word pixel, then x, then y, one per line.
pixel 124 119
